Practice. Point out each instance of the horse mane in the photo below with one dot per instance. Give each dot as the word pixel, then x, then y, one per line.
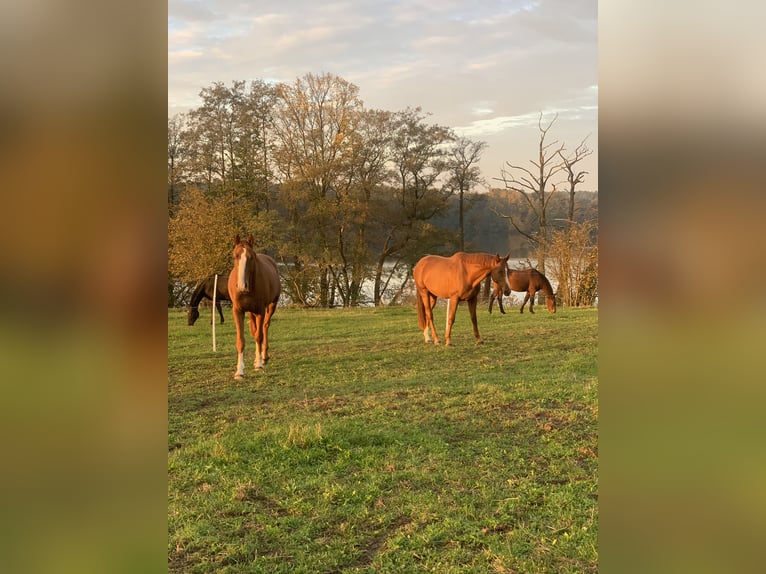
pixel 198 293
pixel 546 285
pixel 477 258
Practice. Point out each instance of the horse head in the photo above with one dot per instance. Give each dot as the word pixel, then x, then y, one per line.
pixel 193 315
pixel 244 259
pixel 499 274
pixel 550 302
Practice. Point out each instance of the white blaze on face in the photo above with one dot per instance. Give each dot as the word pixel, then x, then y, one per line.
pixel 241 275
pixel 507 286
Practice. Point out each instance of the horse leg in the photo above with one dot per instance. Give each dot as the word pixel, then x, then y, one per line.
pixel 472 310
pixel 220 311
pixel 256 328
pixel 496 294
pixel 266 322
pixel 239 319
pixel 429 301
pixel 453 303
pixel 531 294
pixel 422 315
pixel 526 298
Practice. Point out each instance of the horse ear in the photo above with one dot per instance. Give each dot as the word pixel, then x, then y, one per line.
pixel 236 239
pixel 250 239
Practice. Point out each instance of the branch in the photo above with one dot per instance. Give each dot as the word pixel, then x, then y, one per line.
pixel 540 122
pixel 525 170
pixel 515 226
pixel 550 195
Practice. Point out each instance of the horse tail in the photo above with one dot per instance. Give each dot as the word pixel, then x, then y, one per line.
pixel 421 312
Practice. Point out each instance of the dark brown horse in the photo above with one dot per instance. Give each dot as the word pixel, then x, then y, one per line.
pixel 204 290
pixel 529 280
pixel 457 278
pixel 254 288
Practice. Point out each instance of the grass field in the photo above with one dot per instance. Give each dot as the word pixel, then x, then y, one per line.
pixel 361 449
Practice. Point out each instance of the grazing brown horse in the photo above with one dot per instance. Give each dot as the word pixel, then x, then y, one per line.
pixel 254 288
pixel 204 290
pixel 529 280
pixel 457 278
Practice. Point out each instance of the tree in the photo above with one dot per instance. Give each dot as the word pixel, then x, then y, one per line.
pixel 574 260
pixel 532 186
pixel 581 152
pixel 200 236
pixel 228 142
pixel 368 173
pixel 404 210
pixel 464 175
pixel 177 153
pixel 314 123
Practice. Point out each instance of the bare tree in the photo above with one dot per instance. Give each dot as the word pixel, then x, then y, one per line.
pixel 532 185
pixel 581 152
pixel 465 174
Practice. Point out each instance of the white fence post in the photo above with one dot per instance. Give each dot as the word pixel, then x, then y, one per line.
pixel 215 292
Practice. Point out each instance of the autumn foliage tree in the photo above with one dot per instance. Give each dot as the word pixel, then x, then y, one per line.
pixel 200 236
pixel 314 122
pixel 346 198
pixel 573 261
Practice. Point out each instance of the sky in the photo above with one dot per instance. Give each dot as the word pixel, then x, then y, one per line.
pixel 485 68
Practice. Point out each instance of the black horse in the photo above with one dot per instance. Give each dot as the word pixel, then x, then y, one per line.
pixel 204 290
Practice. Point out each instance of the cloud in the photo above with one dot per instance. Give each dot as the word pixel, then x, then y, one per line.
pixel 487 66
pixel 482 109
pixel 498 124
pixel 184 55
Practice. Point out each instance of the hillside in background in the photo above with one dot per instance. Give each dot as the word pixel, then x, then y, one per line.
pixel 487 230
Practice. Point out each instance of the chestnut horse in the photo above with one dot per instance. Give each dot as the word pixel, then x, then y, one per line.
pixel 457 278
pixel 529 280
pixel 204 290
pixel 254 288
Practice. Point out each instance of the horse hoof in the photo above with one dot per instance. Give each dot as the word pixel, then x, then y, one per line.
pixel 238 376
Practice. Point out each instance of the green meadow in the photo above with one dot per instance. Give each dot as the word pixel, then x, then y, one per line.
pixel 359 448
